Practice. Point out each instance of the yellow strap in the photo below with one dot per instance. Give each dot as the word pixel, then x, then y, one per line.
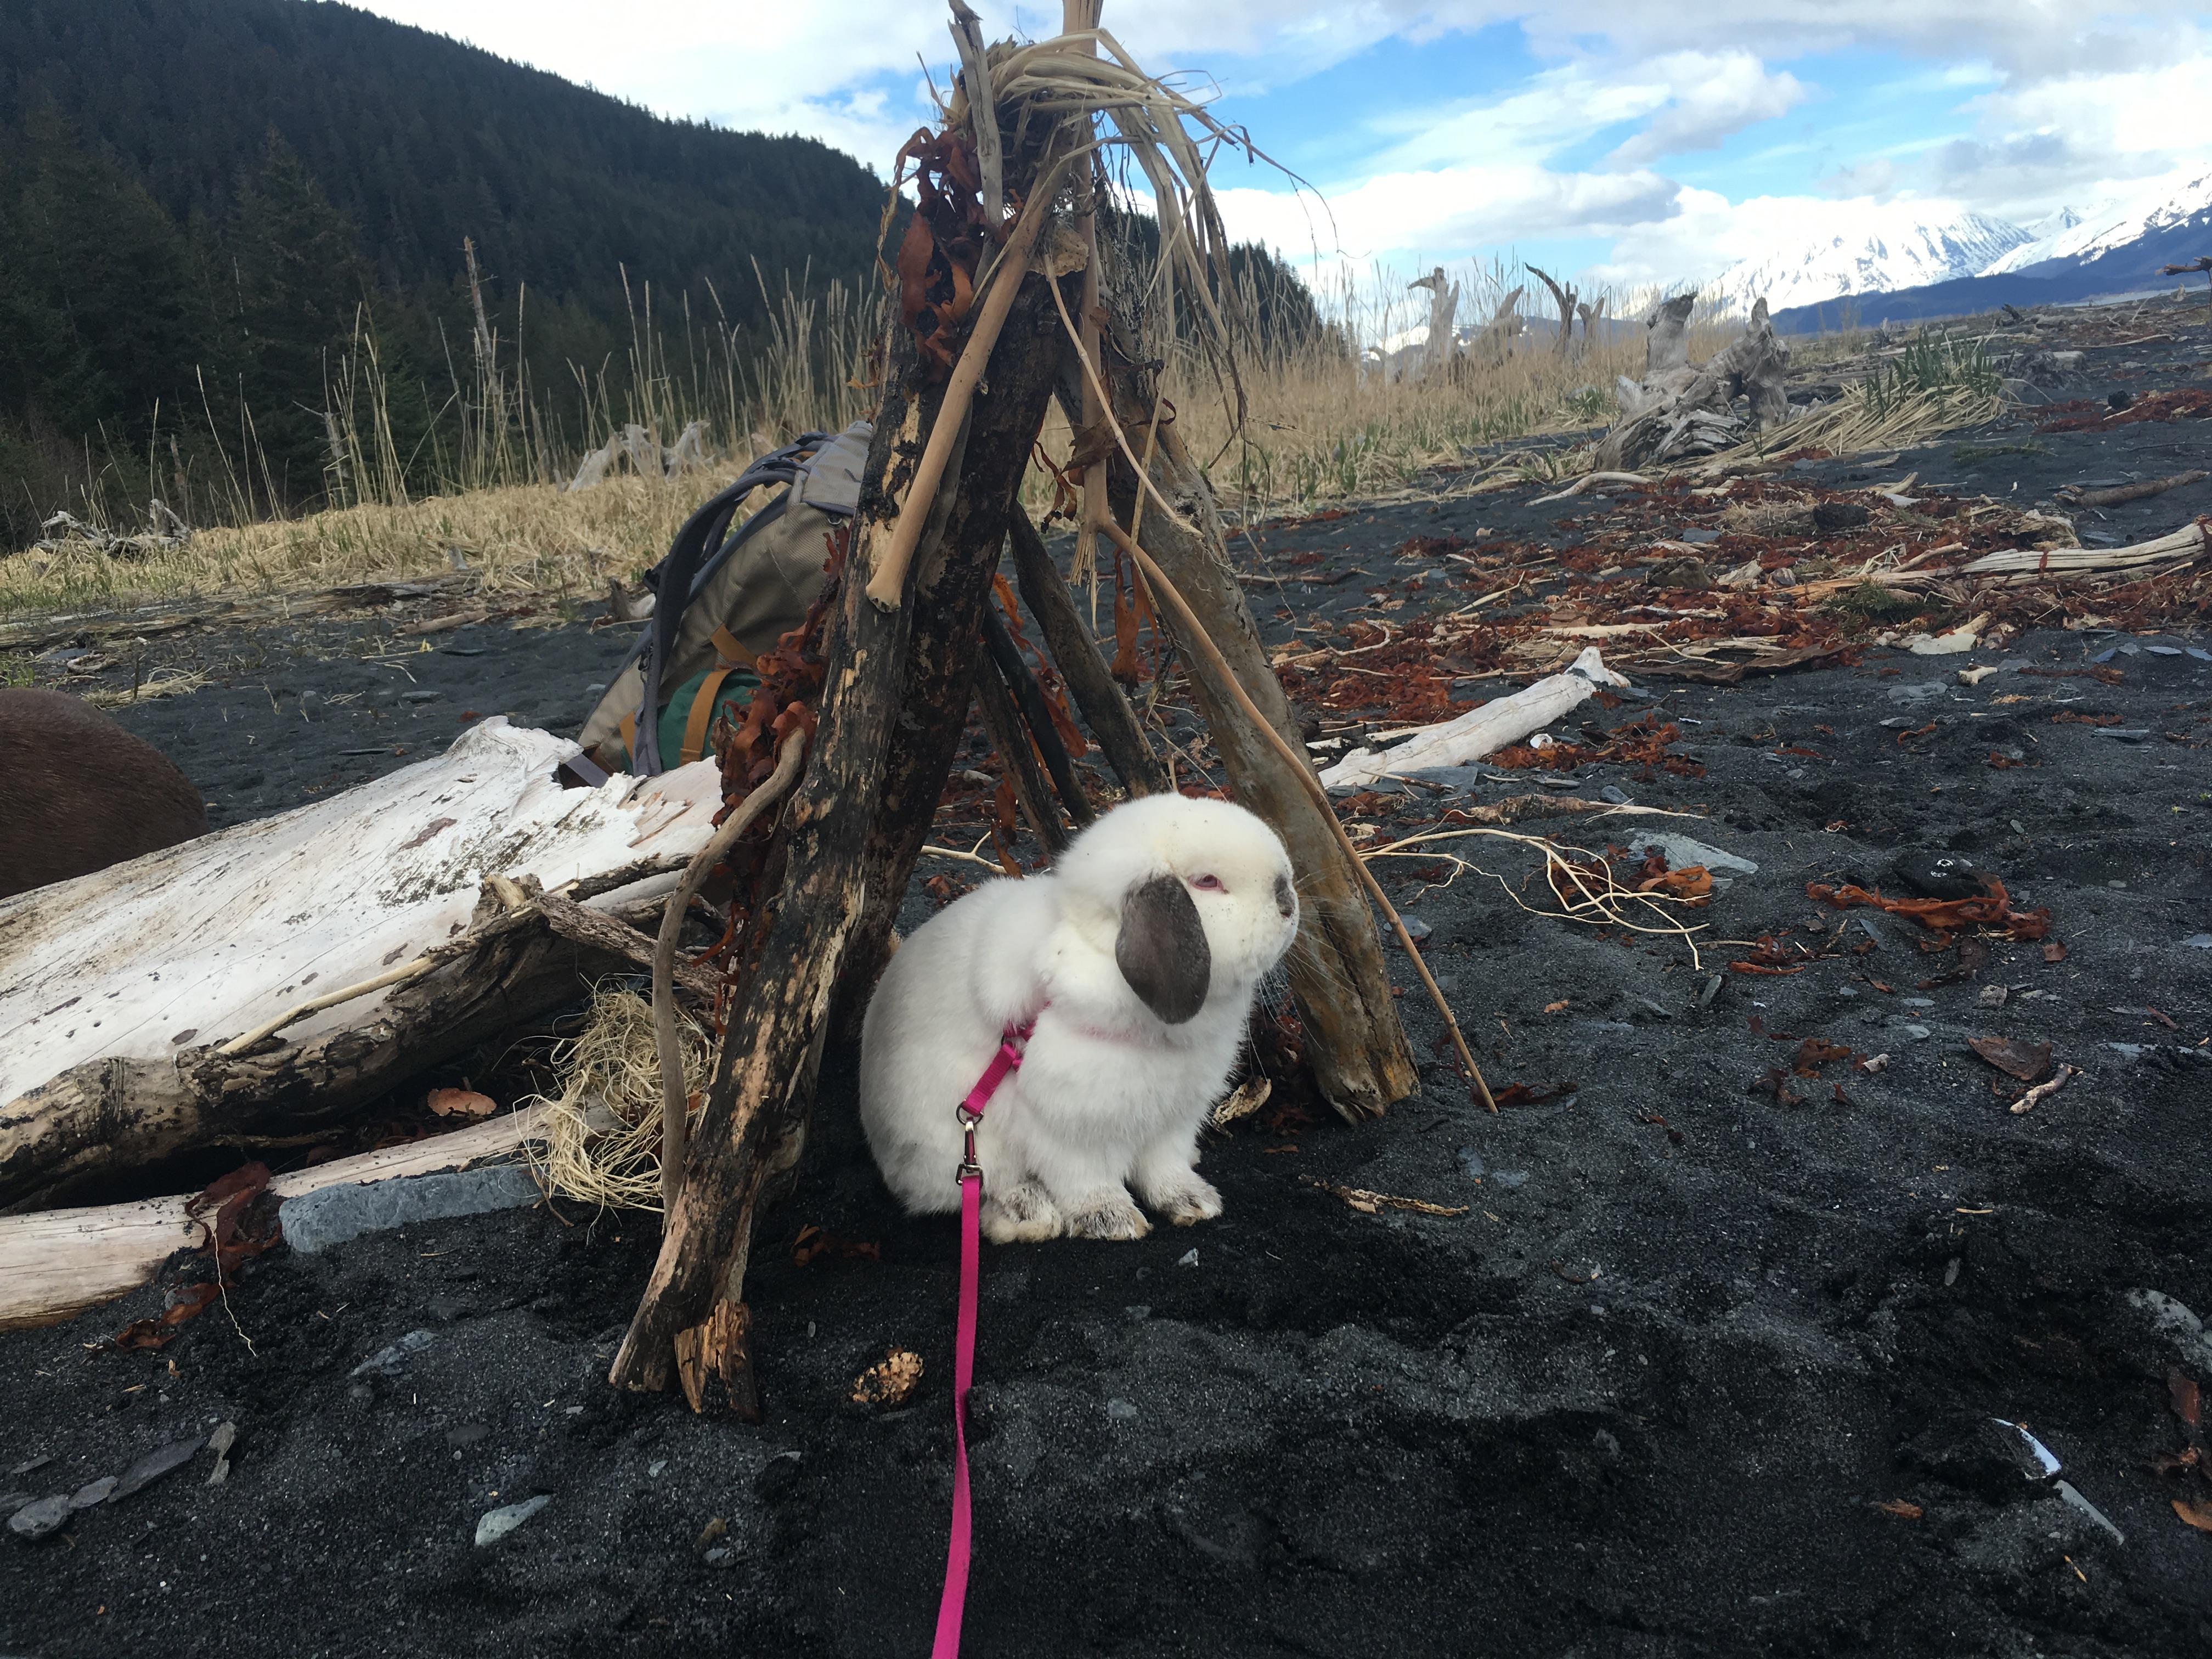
pixel 702 710
pixel 733 649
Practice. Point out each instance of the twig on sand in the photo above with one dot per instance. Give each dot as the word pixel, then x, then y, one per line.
pixel 1587 481
pixel 2043 1091
pixel 1368 1203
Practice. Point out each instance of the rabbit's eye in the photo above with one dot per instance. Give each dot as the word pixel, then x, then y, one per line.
pixel 1208 883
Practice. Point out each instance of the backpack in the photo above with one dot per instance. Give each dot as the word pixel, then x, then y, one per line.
pixel 722 597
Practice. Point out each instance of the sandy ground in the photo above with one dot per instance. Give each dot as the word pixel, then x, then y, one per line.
pixel 1703 1318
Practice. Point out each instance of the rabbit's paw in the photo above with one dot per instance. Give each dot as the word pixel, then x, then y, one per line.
pixel 1022 1214
pixel 1187 1201
pixel 1112 1216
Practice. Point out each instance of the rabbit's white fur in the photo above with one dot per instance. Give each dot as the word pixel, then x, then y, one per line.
pixel 1108 1095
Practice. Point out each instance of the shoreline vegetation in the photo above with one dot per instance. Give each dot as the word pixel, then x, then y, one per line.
pixel 484 484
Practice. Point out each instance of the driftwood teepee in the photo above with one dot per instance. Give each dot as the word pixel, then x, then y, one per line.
pixel 1002 303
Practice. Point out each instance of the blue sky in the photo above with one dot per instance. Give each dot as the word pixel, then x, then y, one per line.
pixel 1629 143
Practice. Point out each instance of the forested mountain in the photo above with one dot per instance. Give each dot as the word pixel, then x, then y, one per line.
pixel 197 196
pixel 211 209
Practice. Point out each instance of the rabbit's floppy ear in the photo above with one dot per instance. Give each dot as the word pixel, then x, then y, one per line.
pixel 1162 949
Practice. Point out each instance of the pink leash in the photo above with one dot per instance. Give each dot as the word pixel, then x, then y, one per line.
pixel 954 1603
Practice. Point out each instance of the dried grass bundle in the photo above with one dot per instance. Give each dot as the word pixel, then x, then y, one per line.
pixel 602 1143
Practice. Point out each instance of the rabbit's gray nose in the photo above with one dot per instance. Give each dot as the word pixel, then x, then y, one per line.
pixel 1283 901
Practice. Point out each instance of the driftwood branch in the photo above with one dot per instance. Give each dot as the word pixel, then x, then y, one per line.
pixel 1105 710
pixel 1029 697
pixel 54 1264
pixel 1338 978
pixel 895 691
pixel 888 581
pixel 674 1102
pixel 1002 724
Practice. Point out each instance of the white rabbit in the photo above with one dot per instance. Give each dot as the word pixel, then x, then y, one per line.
pixel 1137 956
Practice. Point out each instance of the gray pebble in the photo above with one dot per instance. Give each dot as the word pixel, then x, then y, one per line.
pixel 424 696
pixel 1919 1033
pixel 97 1491
pixel 390 1362
pixel 501 1522
pixel 1511 1180
pixel 315 1221
pixel 162 1460
pixel 37 1520
pixel 1470 1163
pixel 1120 1411
pixel 1188 1258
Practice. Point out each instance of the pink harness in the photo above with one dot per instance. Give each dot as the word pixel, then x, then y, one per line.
pixel 954 1601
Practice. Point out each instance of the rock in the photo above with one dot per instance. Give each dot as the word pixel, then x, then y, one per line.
pixel 1120 1411
pixel 501 1522
pixel 220 1442
pixel 424 696
pixel 1615 795
pixel 2121 733
pixel 721 1555
pixel 48 1515
pixel 316 1220
pixel 778 1479
pixel 31 1463
pixel 162 1460
pixel 2198 942
pixel 1917 1033
pixel 1681 853
pixel 1830 517
pixel 96 1492
pixel 1416 929
pixel 1936 874
pixel 392 1361
pixel 1188 1258
pixel 1698 537
pixel 1470 1163
pixel 1711 989
pixel 1511 1180
pixel 1925 691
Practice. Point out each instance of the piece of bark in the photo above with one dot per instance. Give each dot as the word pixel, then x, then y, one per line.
pixel 1104 708
pixel 886 667
pixel 1002 724
pixel 54 1264
pixel 1338 981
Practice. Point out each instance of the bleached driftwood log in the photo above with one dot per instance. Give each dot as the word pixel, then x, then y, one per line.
pixel 1666 334
pixel 120 991
pixel 54 1264
pixel 1481 731
pixel 1679 412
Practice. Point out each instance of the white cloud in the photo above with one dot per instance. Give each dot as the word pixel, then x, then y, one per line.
pixel 2065 100
pixel 1711 98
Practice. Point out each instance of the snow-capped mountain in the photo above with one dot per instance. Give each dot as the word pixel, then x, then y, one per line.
pixel 2113 249
pixel 2110 226
pixel 2052 223
pixel 1872 249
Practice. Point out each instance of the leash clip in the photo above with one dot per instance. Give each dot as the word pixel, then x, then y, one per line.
pixel 970 1169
